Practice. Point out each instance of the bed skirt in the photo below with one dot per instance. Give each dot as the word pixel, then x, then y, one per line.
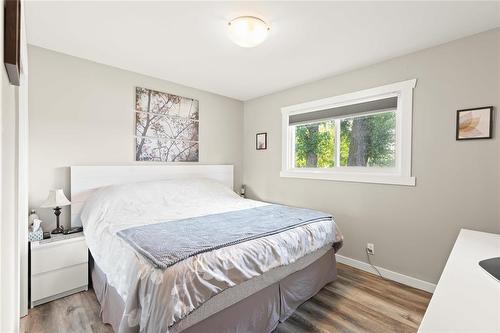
pixel 259 312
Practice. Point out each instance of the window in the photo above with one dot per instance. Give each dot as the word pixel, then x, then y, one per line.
pixel 363 136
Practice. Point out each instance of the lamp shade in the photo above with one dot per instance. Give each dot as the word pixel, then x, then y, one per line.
pixel 56 198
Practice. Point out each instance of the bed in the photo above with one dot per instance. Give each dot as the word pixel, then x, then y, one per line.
pixel 245 286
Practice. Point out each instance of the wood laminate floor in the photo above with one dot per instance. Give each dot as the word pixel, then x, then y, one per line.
pixel 356 302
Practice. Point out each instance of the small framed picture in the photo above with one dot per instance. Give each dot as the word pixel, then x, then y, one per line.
pixel 473 124
pixel 261 141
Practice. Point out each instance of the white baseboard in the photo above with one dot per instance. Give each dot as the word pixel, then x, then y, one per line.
pixel 390 275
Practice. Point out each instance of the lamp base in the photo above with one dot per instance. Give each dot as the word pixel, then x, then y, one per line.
pixel 58 230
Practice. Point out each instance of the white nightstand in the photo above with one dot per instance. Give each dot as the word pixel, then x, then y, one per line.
pixel 58 267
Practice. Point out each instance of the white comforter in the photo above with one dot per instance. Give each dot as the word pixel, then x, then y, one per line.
pixel 156 299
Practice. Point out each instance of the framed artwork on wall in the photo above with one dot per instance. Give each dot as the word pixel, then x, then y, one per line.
pixel 166 127
pixel 261 141
pixel 475 123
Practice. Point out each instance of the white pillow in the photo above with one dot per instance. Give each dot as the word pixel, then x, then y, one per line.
pixel 152 200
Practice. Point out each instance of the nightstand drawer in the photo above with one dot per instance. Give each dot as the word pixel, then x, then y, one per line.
pixel 58 281
pixel 53 256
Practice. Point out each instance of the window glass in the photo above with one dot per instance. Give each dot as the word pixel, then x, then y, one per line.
pixel 368 141
pixel 364 141
pixel 315 145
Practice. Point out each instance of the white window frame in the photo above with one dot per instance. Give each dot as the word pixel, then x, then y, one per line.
pixel 399 175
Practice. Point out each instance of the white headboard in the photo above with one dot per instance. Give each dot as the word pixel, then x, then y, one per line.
pixel 86 179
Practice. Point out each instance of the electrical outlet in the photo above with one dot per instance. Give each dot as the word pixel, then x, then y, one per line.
pixel 370 248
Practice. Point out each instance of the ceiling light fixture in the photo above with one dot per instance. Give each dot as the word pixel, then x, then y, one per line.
pixel 248 31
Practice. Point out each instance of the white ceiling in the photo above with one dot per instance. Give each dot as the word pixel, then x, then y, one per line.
pixel 187 43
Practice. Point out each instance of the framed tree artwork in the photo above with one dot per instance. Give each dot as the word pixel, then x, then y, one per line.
pixel 166 127
pixel 476 123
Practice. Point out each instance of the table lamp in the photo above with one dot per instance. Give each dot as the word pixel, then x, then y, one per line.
pixel 56 200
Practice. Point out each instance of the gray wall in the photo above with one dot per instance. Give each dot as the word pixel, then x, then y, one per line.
pixel 458 183
pixel 82 113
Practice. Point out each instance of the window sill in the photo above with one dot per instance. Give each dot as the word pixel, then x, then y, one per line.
pixel 350 177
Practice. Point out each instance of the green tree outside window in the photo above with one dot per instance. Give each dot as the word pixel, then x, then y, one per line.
pixel 364 141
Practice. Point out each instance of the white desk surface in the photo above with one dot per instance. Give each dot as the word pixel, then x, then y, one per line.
pixel 467 298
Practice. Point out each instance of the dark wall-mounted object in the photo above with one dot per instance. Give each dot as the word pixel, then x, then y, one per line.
pixel 12 40
pixel 261 141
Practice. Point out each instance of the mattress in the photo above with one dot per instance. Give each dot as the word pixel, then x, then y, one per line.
pixel 156 299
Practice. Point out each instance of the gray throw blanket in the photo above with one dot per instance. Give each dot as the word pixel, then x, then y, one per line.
pixel 165 244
